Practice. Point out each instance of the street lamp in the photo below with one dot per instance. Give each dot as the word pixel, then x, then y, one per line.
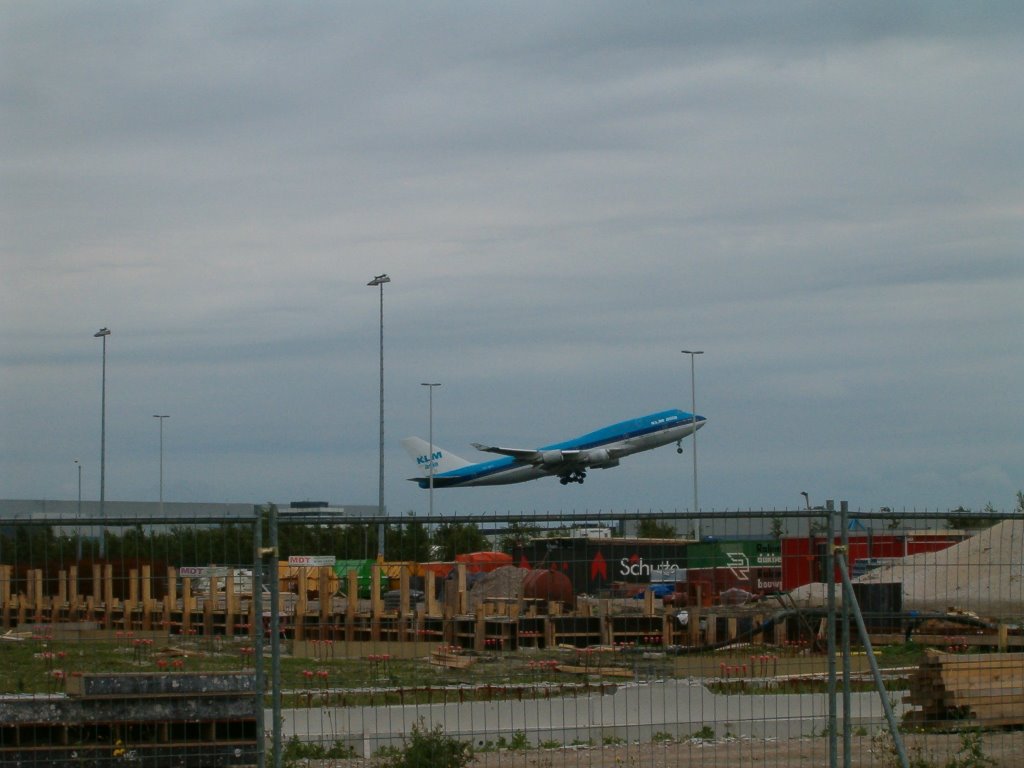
pixel 693 413
pixel 430 437
pixel 161 417
pixel 379 280
pixel 103 333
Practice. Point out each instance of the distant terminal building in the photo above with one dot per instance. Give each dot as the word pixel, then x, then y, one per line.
pixel 85 518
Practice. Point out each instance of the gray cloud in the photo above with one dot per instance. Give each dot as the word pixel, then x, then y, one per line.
pixel 825 199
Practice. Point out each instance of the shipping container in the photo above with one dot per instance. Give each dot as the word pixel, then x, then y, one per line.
pixel 596 566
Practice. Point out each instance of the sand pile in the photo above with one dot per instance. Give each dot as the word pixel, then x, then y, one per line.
pixel 983 574
pixel 506 581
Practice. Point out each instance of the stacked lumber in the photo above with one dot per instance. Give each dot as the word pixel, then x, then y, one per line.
pixel 450 657
pixel 973 690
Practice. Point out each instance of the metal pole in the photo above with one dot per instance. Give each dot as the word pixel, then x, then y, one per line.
pixel 103 333
pixel 161 418
pixel 876 673
pixel 379 280
pixel 830 574
pixel 430 436
pixel 844 538
pixel 693 415
pixel 257 636
pixel 275 638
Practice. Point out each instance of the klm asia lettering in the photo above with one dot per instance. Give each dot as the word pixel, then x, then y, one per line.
pixel 424 460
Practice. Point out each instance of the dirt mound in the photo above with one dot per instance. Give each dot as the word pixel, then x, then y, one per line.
pixel 504 582
pixel 983 574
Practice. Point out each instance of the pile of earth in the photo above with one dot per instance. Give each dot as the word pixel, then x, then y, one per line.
pixel 983 575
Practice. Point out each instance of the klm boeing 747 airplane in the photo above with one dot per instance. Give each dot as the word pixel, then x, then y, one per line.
pixel 568 461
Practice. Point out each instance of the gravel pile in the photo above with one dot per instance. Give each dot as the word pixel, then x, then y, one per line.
pixel 506 581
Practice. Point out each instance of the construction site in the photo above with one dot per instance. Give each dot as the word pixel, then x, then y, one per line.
pixel 572 639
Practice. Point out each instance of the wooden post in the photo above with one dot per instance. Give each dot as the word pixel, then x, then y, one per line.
pixel 255 622
pixel 604 614
pixel 480 631
pixel 5 595
pixel 693 613
pixel 62 587
pixel 133 588
pixel 431 595
pixel 351 604
pixel 37 588
pixel 229 604
pixel 403 589
pixel 210 605
pixel 97 592
pixel 73 597
pixel 171 597
pixel 463 596
pixel 301 604
pixel 711 636
pixel 147 597
pixel 186 606
pixel 781 634
pixel 108 595
pixel 376 604
pixel 324 592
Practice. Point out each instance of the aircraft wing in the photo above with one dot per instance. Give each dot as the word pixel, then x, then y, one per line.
pixel 531 455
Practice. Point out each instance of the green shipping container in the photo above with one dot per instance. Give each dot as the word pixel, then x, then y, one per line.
pixel 764 553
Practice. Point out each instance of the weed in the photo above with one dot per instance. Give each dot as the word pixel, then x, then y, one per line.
pixel 432 748
pixel 970 754
pixel 706 733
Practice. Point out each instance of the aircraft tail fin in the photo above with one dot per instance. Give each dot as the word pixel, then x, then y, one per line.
pixel 444 461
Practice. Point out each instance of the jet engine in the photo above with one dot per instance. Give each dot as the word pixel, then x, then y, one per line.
pixel 600 459
pixel 551 458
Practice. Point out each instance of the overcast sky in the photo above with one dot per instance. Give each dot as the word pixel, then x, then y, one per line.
pixel 825 199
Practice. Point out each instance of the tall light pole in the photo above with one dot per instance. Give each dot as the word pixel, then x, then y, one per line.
pixel 430 437
pixel 103 333
pixel 379 280
pixel 161 418
pixel 693 412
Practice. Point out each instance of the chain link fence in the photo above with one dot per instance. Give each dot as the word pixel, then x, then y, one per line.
pixel 258 636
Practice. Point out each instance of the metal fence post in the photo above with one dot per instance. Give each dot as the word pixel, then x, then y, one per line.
pixel 830 575
pixel 275 637
pixel 257 637
pixel 844 538
pixel 876 673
